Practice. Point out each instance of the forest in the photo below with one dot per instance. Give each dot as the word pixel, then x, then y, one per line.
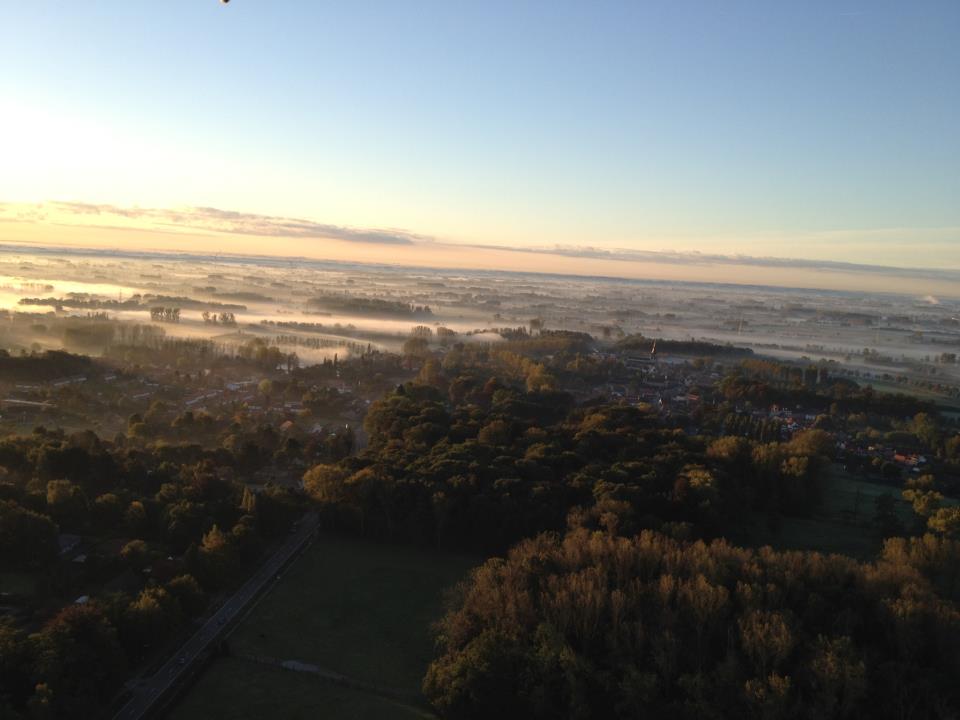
pixel 626 579
pixel 165 528
pixel 627 571
pixel 592 624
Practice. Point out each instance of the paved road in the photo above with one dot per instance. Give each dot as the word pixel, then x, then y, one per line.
pixel 150 690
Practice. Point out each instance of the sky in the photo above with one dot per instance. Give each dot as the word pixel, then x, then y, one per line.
pixel 819 130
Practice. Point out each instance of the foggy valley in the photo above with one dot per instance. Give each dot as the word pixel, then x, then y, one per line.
pixel 480 361
pixel 320 309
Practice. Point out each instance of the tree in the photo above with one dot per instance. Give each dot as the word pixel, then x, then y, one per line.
pixel 78 656
pixel 248 501
pixel 812 443
pixel 703 487
pixel 219 560
pixel 148 619
pixel 14 662
pixel 497 432
pixel 886 519
pixel 188 594
pixel 41 703
pixel 265 388
pixel 766 639
pixel 431 374
pixel 952 448
pixel 946 521
pixel 416 347
pixel 135 554
pixel 107 511
pixel 769 697
pixel 482 681
pixel 276 509
pixel 924 482
pixel 66 503
pixel 445 335
pixel 326 483
pixel 184 521
pixel 839 677
pixel 926 428
pixel 925 502
pixel 27 538
pixel 539 379
pixel 364 492
pixel 136 519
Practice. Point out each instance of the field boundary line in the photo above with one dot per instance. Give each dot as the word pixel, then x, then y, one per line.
pixel 335 678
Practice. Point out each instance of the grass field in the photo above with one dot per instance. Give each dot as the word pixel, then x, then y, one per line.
pixel 233 689
pixel 17 583
pixel 843 522
pixel 917 392
pixel 844 492
pixel 352 607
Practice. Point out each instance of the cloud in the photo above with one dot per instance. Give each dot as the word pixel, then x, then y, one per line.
pixel 209 219
pixel 708 259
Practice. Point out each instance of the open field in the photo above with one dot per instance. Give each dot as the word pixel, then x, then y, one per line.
pixel 351 607
pixel 947 404
pixel 845 493
pixel 17 583
pixel 234 689
pixel 842 524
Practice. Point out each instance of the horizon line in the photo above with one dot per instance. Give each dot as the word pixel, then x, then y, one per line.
pixel 238 258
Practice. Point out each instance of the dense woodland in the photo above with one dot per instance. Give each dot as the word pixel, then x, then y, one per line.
pixel 595 625
pixel 47 366
pixel 487 465
pixel 168 526
pixel 624 579
pixel 626 600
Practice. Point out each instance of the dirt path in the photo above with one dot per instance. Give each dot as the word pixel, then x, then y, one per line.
pixel 336 678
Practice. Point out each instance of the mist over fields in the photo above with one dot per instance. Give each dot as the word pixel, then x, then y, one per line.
pixel 53 298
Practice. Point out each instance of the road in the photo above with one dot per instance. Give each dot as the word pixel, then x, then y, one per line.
pixel 149 691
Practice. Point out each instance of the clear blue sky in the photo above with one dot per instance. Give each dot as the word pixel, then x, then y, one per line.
pixel 779 128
